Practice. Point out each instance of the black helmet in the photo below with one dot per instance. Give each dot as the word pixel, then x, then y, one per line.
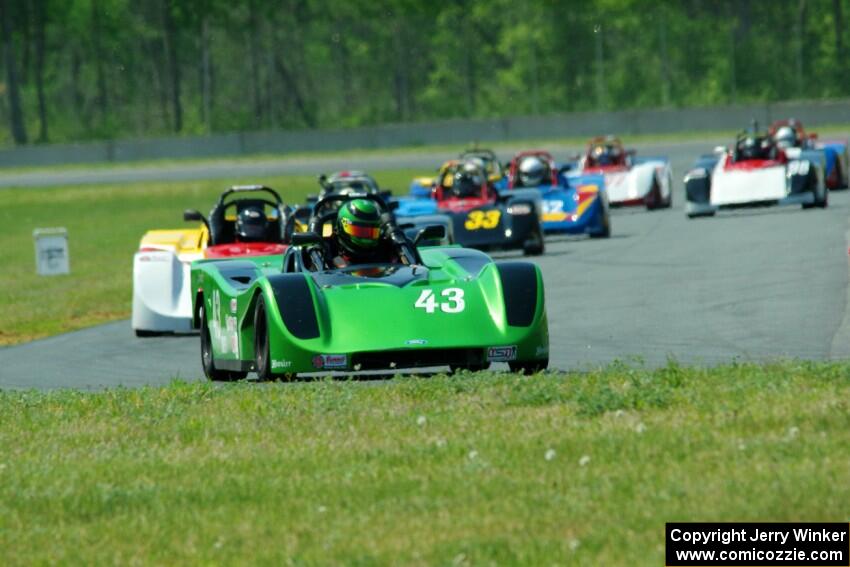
pixel 252 224
pixel 467 181
pixel 750 148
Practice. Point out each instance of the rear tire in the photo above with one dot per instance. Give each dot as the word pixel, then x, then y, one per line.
pixel 144 334
pixel 207 360
pixel 529 367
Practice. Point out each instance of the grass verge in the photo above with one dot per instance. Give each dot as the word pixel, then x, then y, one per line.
pixel 105 224
pixel 449 149
pixel 484 468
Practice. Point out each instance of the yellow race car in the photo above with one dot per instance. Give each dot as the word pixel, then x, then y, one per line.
pixel 485 159
pixel 258 224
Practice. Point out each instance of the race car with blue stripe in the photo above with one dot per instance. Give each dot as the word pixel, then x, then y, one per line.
pixel 758 170
pixel 576 204
pixel 791 134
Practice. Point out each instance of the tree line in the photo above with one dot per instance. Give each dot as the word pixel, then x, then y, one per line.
pixel 99 69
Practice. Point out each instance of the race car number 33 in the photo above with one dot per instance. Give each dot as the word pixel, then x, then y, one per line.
pixel 453 303
pixel 482 219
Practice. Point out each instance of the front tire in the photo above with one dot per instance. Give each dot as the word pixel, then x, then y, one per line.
pixel 653 198
pixel 207 360
pixel 262 350
pixel 605 231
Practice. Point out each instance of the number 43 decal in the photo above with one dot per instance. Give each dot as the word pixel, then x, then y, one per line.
pixel 453 301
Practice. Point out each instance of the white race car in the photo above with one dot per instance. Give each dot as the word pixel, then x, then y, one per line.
pixel 629 181
pixel 756 172
pixel 243 226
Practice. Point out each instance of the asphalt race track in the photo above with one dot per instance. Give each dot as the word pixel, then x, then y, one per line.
pixel 753 284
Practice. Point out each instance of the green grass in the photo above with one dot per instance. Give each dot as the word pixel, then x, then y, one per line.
pixel 105 224
pixel 449 149
pixel 446 470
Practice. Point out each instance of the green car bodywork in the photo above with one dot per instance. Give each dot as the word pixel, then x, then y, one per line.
pixel 457 308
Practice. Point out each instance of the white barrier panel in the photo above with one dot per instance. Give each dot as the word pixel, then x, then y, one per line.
pixel 51 251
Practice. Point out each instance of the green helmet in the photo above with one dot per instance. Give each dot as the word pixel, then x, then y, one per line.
pixel 359 226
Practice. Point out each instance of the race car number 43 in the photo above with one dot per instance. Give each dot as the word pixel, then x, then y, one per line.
pixel 453 303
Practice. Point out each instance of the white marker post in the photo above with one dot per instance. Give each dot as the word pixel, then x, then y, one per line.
pixel 51 251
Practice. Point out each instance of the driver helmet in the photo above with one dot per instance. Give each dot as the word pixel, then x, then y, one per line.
pixel 532 171
pixel 750 148
pixel 467 181
pixel 785 137
pixel 605 154
pixel 359 226
pixel 251 224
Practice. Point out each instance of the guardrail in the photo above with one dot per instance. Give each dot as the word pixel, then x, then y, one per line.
pixel 624 123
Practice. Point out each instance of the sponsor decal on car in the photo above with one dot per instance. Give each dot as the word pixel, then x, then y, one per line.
pixel 281 364
pixel 233 305
pixel 541 350
pixel 416 342
pixel 501 353
pixel 155 257
pixel 330 361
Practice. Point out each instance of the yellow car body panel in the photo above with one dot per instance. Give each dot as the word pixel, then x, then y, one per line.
pixel 180 241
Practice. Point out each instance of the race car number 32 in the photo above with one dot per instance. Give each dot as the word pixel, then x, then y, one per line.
pixel 482 219
pixel 453 303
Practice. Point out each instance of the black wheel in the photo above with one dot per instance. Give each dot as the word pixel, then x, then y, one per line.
pixel 261 341
pixel 535 245
pixel 143 334
pixel 605 232
pixel 529 366
pixel 820 203
pixel 455 368
pixel 698 215
pixel 653 198
pixel 207 361
pixel 669 202
pixel 262 357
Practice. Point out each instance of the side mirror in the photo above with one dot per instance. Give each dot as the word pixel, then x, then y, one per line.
pixel 193 215
pixel 306 239
pixel 430 232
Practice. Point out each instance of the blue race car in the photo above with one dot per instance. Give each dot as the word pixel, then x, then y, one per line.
pixel 574 204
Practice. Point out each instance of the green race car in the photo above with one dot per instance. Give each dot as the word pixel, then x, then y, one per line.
pixel 283 315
